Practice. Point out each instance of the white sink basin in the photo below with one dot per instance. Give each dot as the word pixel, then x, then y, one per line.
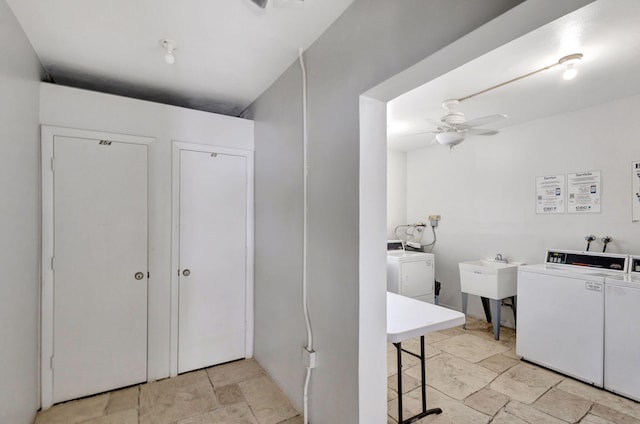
pixel 494 280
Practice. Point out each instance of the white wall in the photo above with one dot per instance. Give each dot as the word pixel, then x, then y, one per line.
pixel 373 263
pixel 74 108
pixel 485 190
pixel 19 222
pixel 370 42
pixel 396 191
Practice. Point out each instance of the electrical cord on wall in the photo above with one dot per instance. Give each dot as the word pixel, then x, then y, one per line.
pixel 433 243
pixel 309 347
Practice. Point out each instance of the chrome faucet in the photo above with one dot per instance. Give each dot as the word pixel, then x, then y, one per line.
pixel 499 258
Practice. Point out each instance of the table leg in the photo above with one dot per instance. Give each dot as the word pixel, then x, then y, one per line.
pixel 423 372
pixel 399 349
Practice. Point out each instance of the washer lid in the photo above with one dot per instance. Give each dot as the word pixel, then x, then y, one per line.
pixel 409 254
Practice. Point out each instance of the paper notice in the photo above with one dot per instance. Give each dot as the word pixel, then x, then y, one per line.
pixel 635 191
pixel 584 190
pixel 550 194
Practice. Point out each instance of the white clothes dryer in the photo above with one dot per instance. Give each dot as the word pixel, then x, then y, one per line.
pixel 411 274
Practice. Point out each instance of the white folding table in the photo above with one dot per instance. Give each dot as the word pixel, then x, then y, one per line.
pixel 408 318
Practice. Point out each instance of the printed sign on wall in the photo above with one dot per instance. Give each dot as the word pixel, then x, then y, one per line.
pixel 584 190
pixel 550 194
pixel 636 191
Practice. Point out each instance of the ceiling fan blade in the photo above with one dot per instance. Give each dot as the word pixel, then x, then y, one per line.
pixel 433 121
pixel 421 132
pixel 261 3
pixel 479 131
pixel 484 120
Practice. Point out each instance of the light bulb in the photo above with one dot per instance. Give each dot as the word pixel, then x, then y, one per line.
pixel 170 58
pixel 169 46
pixel 570 61
pixel 570 73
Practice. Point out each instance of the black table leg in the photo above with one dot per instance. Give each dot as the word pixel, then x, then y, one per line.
pixel 423 373
pixel 399 351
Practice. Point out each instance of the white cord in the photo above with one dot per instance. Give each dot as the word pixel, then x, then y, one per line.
pixel 305 398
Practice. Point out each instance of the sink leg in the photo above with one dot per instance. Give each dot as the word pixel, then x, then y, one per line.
pixel 514 307
pixel 464 308
pixel 496 305
pixel 487 309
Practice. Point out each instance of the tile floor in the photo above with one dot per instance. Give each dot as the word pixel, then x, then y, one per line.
pixel 234 393
pixel 475 379
pixel 472 377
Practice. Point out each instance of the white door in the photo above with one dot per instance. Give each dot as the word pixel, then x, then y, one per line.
pixel 213 247
pixel 100 244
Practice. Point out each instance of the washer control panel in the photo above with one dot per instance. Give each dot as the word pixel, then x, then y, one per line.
pixel 605 261
pixel 634 267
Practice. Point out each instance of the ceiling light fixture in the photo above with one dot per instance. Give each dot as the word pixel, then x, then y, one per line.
pixel 170 46
pixel 450 138
pixel 569 61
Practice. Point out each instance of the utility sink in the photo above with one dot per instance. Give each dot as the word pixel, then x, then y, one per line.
pixel 491 279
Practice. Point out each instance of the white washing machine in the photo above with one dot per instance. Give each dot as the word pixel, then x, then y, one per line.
pixel 561 311
pixel 411 274
pixel 621 332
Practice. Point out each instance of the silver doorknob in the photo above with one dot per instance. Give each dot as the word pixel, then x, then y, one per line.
pixel 186 273
pixel 139 275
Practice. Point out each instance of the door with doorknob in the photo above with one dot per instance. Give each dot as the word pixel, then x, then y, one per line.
pixel 212 273
pixel 99 266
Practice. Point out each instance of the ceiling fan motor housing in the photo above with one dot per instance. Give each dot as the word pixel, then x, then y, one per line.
pixel 454 118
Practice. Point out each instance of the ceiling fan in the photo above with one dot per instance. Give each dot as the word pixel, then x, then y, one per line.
pixel 453 127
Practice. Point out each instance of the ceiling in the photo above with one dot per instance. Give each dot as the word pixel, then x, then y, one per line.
pixel 607 32
pixel 229 51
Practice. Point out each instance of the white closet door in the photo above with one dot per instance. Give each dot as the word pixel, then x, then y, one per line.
pixel 100 244
pixel 213 243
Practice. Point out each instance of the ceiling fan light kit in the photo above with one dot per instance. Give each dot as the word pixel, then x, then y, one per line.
pixel 450 138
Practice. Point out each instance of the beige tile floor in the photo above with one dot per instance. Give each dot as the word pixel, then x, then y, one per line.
pixel 472 377
pixel 234 393
pixel 475 379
